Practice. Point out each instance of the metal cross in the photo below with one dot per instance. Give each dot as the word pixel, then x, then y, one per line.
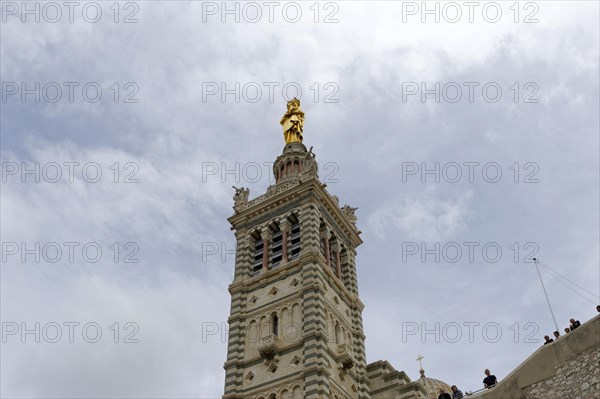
pixel 418 359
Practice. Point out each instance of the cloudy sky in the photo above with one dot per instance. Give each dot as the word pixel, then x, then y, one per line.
pixel 467 138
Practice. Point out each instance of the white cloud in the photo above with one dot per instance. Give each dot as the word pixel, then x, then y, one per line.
pixel 423 217
pixel 172 134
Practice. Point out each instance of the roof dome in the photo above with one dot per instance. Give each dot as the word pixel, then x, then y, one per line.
pixel 433 386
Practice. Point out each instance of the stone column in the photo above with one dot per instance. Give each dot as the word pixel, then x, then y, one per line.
pixel 338 263
pixel 284 226
pixel 309 226
pixel 326 235
pixel 250 245
pixel 344 260
pixel 266 236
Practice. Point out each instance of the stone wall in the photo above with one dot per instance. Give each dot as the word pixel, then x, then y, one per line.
pixel 578 378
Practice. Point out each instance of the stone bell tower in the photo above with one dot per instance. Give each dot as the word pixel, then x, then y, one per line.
pixel 295 329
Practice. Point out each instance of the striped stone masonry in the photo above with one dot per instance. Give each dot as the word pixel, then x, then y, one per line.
pixel 295 328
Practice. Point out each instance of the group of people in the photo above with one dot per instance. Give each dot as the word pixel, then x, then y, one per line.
pixel 456 393
pixel 489 381
pixel 574 324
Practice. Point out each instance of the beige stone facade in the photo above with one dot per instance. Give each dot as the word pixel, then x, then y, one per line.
pixel 296 318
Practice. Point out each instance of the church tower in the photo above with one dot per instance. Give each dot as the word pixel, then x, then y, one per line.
pixel 295 329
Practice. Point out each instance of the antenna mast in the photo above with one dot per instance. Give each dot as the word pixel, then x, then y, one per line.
pixel 545 293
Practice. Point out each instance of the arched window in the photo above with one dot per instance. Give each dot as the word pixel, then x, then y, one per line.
pixel 297 393
pixel 274 324
pixel 253 333
pixel 337 333
pixel 264 326
pixel 275 248
pixel 294 239
pixel 257 255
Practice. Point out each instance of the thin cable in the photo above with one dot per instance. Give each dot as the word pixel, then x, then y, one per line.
pixel 552 272
pixel 575 292
pixel 575 284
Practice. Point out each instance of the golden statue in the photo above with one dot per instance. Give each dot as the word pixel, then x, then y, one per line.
pixel 293 122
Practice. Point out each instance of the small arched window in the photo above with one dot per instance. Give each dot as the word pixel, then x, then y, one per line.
pixel 294 238
pixel 274 324
pixel 257 254
pixel 275 247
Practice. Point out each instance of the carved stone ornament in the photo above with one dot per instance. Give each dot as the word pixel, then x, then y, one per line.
pixel 240 198
pixel 348 212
